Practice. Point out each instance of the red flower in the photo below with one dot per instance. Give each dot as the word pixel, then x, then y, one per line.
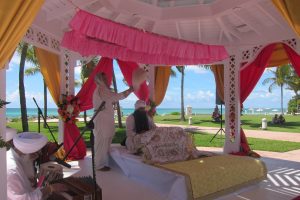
pixel 65 116
pixel 59 111
pixel 78 101
pixel 70 122
pixel 69 98
pixel 72 118
pixel 151 113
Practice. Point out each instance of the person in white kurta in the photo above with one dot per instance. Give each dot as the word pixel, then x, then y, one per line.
pixel 131 127
pixel 19 159
pixel 104 122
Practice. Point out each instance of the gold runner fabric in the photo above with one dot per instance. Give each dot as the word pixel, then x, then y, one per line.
pixel 212 177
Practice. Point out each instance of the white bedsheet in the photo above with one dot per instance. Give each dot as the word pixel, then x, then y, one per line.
pixel 168 184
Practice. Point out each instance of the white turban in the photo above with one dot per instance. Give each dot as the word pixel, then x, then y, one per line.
pixel 139 104
pixel 30 142
pixel 10 133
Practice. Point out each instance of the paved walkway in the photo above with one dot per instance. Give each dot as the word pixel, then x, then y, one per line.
pixel 284 136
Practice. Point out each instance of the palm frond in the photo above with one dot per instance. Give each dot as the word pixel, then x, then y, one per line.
pixel 125 82
pixel 32 71
pixel 207 67
pixel 173 74
pixel 77 83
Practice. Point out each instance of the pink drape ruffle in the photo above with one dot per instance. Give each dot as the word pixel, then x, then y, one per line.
pixel 129 44
pixel 127 69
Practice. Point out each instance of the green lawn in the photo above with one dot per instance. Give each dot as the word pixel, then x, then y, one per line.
pixel 202 139
pixel 251 122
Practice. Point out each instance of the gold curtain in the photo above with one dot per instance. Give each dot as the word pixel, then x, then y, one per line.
pixel 49 64
pixel 289 9
pixel 162 76
pixel 219 77
pixel 279 57
pixel 15 18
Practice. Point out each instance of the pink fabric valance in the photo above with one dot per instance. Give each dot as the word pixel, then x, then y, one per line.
pixel 93 35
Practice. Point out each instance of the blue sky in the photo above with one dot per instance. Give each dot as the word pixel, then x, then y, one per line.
pixel 199 89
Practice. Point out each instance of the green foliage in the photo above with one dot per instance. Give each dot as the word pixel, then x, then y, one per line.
pixel 175 113
pixel 250 122
pixel 2 103
pixel 290 109
pixel 201 139
pixel 3 143
pixel 292 104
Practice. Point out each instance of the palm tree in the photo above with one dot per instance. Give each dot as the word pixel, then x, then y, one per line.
pixel 118 104
pixel 22 50
pixel 279 79
pixel 293 83
pixel 86 71
pixel 181 70
pixel 30 72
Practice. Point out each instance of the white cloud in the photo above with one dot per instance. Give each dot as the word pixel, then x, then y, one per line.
pixel 131 98
pixel 201 96
pixel 13 96
pixel 196 69
pixel 119 75
pixel 167 97
pixel 77 70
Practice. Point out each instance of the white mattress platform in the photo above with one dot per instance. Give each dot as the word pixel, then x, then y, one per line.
pixel 170 185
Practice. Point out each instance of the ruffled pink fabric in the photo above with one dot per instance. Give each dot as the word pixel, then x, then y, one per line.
pixel 129 44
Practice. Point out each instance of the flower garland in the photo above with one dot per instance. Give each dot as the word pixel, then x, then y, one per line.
pixel 69 108
pixel 150 108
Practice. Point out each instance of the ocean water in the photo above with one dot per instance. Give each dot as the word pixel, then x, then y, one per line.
pixel 16 112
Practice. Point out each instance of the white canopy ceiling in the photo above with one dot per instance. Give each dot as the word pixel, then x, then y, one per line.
pixel 217 22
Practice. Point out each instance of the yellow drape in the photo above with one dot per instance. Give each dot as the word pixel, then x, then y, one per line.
pixel 219 77
pixel 15 18
pixel 162 76
pixel 49 64
pixel 289 9
pixel 279 57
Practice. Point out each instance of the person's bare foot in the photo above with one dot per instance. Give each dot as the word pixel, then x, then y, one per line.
pixel 104 169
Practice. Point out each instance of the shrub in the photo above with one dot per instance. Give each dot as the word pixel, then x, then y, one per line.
pixel 175 113
pixel 290 108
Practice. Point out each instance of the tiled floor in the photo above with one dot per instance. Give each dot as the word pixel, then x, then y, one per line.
pixel 283 181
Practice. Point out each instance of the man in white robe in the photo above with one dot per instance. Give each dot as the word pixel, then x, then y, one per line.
pixel 21 181
pixel 104 122
pixel 139 116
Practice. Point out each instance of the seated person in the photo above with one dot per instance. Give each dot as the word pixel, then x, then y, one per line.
pixel 137 123
pixel 216 115
pixel 281 119
pixel 275 120
pixel 21 181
